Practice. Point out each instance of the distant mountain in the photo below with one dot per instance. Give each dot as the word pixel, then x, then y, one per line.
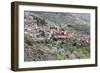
pixel 65 18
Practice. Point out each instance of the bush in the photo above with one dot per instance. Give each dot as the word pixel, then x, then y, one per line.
pixel 61 56
pixel 28 39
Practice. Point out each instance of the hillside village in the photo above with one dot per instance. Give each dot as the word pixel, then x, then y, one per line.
pixel 48 40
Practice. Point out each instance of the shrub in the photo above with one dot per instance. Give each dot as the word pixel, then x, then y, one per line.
pixel 61 56
pixel 28 39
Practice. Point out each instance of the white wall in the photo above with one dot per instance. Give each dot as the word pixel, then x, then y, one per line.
pixel 5 28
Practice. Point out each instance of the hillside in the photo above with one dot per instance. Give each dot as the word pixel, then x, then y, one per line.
pixel 56 36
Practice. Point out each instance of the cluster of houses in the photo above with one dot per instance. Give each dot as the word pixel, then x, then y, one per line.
pixel 56 32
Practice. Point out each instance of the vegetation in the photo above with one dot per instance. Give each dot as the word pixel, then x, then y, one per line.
pixel 56 36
